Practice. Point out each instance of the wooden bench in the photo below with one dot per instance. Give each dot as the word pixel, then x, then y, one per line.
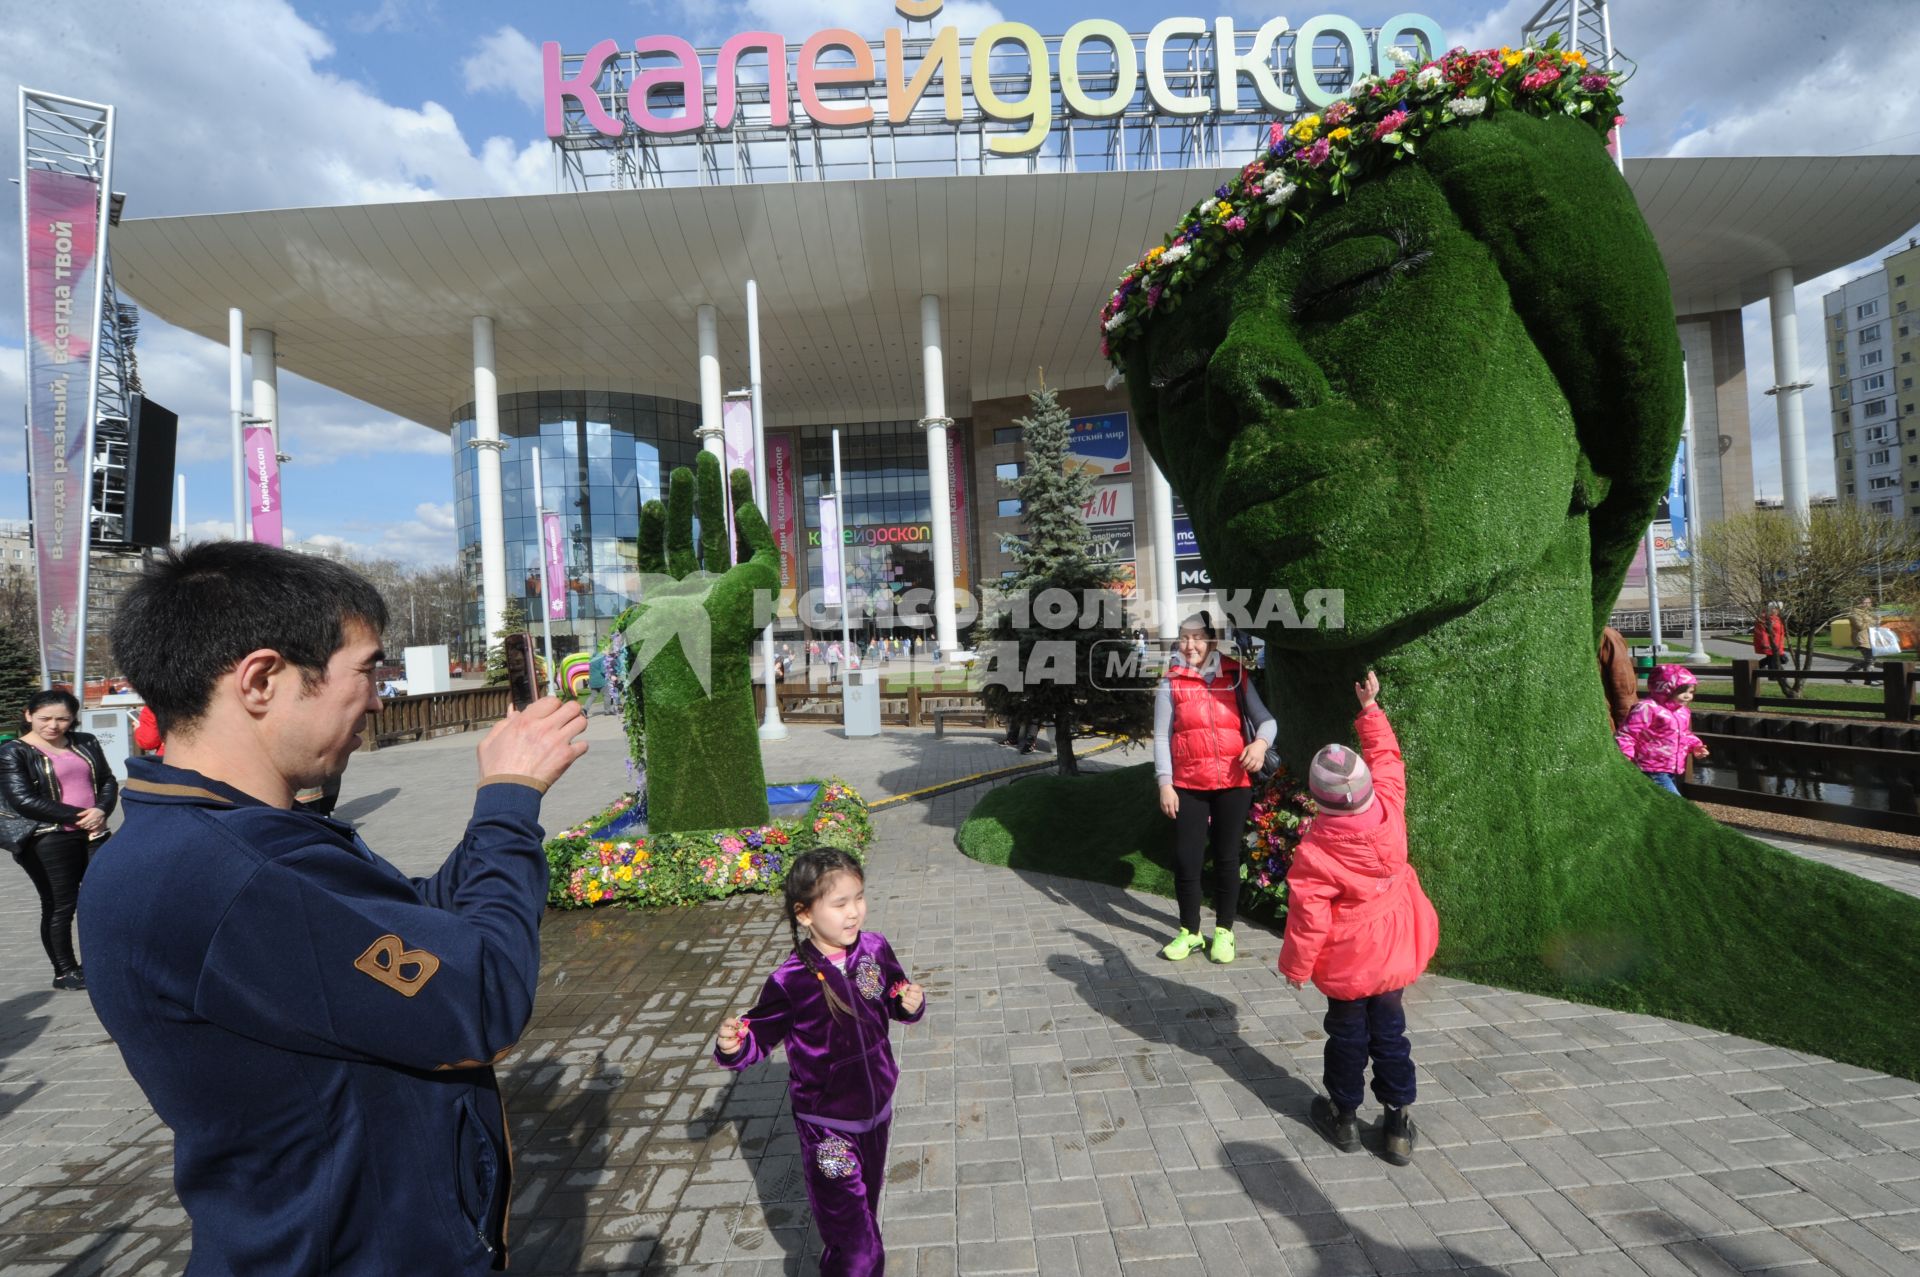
pixel 975 715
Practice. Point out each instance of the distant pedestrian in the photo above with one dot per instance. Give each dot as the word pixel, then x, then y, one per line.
pixel 1360 927
pixel 1770 642
pixel 832 1002
pixel 833 662
pixel 1863 619
pixel 1658 735
pixel 146 733
pixel 59 779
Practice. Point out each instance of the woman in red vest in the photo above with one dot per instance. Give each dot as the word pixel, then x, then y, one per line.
pixel 1201 757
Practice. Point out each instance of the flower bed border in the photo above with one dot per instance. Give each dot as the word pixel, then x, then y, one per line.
pixel 687 868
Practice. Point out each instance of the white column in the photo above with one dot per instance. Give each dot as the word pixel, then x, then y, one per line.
pixel 493 528
pixel 771 728
pixel 266 380
pixel 933 371
pixel 236 409
pixel 1166 575
pixel 1787 388
pixel 709 432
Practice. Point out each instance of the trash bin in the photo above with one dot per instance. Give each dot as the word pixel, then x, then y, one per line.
pixel 860 702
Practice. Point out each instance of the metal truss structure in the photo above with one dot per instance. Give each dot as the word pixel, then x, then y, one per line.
pixel 751 149
pixel 1581 24
pixel 64 135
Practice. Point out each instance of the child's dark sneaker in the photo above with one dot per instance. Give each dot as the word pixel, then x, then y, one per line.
pixel 1397 1137
pixel 1340 1126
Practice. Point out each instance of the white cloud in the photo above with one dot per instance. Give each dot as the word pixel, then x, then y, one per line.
pixel 389 15
pixel 505 62
pixel 423 541
pixel 710 24
pixel 235 105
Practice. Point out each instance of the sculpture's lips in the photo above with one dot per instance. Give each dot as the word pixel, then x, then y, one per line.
pixel 1268 491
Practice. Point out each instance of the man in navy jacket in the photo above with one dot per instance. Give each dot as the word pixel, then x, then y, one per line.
pixel 317 1029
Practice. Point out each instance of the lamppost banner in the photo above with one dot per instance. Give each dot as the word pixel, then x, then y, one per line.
pixel 736 440
pixel 553 554
pixel 830 551
pixel 263 486
pixel 957 512
pixel 783 512
pixel 62 212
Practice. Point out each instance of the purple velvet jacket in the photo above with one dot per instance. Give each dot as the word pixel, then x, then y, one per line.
pixel 840 1067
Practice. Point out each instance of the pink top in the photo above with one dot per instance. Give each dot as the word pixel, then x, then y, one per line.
pixel 76 780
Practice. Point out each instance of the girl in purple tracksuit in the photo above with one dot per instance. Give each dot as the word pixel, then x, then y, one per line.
pixel 830 1002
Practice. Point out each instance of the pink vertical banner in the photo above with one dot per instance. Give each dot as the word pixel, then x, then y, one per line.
pixel 830 545
pixel 957 511
pixel 553 555
pixel 263 485
pixel 736 441
pixel 62 214
pixel 783 512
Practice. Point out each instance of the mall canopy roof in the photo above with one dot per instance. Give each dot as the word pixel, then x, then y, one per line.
pixel 598 290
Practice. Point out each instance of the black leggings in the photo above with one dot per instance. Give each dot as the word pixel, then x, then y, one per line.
pixel 56 862
pixel 1228 810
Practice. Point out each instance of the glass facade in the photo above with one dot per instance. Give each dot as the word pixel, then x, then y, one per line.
pixel 602 455
pixel 888 519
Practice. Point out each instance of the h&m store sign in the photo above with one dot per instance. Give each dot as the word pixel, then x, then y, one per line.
pixel 1002 54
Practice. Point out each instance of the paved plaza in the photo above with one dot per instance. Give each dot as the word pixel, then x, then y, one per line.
pixel 1071 1104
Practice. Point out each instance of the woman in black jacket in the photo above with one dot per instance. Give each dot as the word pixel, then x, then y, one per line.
pixel 58 777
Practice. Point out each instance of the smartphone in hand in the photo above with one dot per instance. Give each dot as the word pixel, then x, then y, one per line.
pixel 522 684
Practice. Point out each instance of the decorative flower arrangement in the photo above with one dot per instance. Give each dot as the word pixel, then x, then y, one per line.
pixel 1282 812
pixel 685 868
pixel 1319 157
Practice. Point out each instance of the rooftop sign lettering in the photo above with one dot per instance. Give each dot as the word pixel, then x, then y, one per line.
pixel 1009 75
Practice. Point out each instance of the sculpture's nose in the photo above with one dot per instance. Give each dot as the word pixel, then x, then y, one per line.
pixel 1260 370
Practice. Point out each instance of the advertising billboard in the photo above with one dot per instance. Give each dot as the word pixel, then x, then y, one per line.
pixel 1102 446
pixel 62 214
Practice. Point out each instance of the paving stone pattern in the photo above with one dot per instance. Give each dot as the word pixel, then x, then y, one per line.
pixel 1071 1104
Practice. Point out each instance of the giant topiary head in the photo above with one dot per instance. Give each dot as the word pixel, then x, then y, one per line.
pixel 1416 331
pixel 1422 351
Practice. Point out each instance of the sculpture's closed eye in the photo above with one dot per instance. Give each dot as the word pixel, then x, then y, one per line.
pixel 1179 375
pixel 1349 275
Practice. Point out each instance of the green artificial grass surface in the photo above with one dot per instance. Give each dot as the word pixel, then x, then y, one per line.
pixel 1105 827
pixel 1455 396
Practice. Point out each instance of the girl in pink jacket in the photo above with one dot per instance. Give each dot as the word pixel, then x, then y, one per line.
pixel 1360 927
pixel 1658 735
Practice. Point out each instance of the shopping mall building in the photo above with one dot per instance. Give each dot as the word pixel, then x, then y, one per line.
pixel 931 224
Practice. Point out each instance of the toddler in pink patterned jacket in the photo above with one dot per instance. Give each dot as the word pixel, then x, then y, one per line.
pixel 1658 734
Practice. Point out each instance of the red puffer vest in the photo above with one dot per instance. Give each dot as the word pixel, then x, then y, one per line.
pixel 1207 737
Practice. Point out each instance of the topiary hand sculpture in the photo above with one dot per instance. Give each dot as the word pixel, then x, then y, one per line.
pixel 1423 352
pixel 690 640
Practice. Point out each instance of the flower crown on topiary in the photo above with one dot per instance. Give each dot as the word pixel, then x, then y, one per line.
pixel 1319 157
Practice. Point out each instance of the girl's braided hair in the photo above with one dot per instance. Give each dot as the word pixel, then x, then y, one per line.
pixel 807 881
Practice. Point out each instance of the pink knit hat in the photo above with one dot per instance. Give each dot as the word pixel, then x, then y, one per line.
pixel 1339 780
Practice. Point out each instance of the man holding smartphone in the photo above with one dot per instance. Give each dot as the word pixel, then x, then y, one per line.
pixel 318 1029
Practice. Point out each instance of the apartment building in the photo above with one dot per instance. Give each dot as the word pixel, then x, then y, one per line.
pixel 1873 360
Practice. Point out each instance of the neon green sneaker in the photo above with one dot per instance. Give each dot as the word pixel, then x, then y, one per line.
pixel 1182 945
pixel 1221 950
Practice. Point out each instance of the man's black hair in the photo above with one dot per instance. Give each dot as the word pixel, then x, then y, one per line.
pixel 198 611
